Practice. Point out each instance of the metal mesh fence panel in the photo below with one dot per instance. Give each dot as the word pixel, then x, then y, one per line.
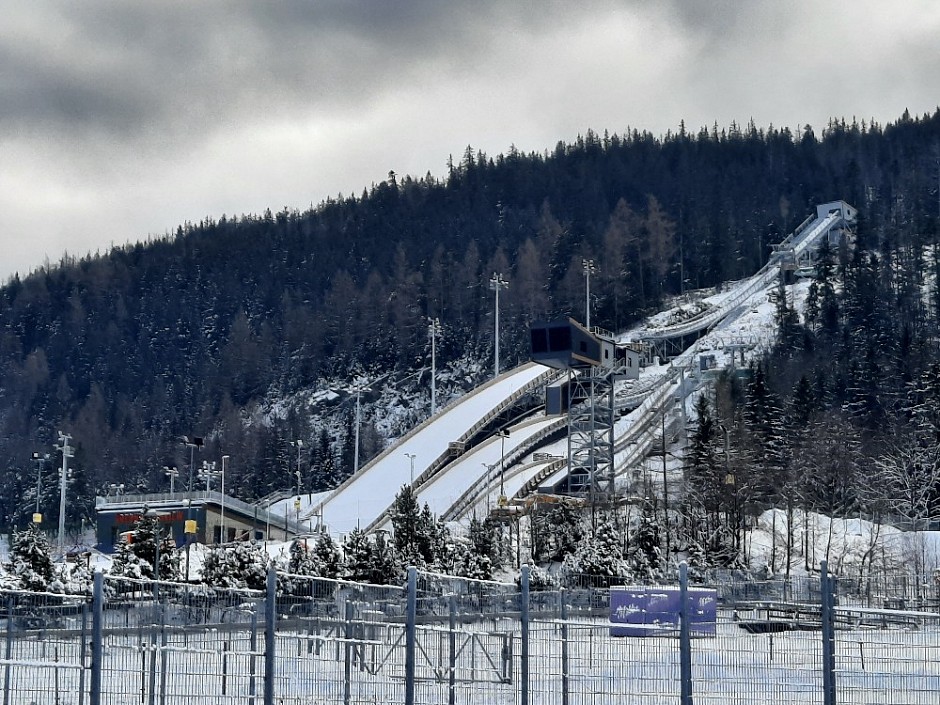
pixel 339 642
pixel 468 641
pixel 174 643
pixel 742 666
pixel 45 649
pixel 887 656
pixel 578 662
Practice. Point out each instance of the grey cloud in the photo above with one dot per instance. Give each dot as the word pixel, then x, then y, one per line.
pixel 165 71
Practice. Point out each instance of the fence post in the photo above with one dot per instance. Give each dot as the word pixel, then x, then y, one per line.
pixel 270 616
pixel 347 652
pixel 828 635
pixel 83 640
pixel 9 652
pixel 411 635
pixel 97 616
pixel 564 646
pixel 452 652
pixel 685 641
pixel 253 648
pixel 524 619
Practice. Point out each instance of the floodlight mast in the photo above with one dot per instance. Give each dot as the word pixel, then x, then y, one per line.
pixel 589 269
pixel 39 459
pixel 496 283
pixel 67 452
pixel 434 330
pixel 222 512
pixel 358 389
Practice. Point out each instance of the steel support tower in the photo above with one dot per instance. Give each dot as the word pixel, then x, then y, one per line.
pixel 591 434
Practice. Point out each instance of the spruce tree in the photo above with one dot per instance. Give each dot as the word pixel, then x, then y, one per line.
pixel 645 556
pixel 31 559
pixel 599 558
pixel 328 562
pixel 357 549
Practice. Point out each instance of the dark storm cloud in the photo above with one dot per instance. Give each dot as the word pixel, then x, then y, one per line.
pixel 166 70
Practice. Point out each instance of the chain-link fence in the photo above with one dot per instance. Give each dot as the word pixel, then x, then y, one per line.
pixel 441 639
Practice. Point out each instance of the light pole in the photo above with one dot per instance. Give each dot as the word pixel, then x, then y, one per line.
pixel 411 457
pixel 358 389
pixel 172 473
pixel 665 491
pixel 299 444
pixel 589 269
pixel 496 283
pixel 503 435
pixel 207 472
pixel 730 481
pixel 190 528
pixel 222 509
pixel 191 442
pixel 434 330
pixel 67 452
pixel 297 501
pixel 39 459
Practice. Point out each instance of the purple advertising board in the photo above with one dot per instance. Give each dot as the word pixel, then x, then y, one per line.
pixel 649 611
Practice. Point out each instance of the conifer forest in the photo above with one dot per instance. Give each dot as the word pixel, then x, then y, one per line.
pixel 225 327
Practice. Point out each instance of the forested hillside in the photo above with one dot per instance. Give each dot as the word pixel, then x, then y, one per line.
pixel 191 334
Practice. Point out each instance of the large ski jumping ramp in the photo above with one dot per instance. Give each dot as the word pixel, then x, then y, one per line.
pixel 456 483
pixel 365 496
pixel 796 245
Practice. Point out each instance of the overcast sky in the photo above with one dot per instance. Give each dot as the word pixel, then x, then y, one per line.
pixel 120 120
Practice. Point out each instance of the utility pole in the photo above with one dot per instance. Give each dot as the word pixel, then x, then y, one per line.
pixel 67 452
pixel 589 269
pixel 496 283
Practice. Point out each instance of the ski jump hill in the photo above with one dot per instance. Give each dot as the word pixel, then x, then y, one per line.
pixel 465 460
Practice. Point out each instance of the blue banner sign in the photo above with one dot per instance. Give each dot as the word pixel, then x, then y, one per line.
pixel 651 611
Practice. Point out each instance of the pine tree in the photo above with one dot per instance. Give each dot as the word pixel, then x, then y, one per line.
pixel 127 563
pixel 599 558
pixel 478 555
pixel 137 556
pixel 357 549
pixel 414 531
pixel 703 468
pixel 300 561
pixel 240 565
pixel 556 531
pixel 31 560
pixel 328 562
pixel 645 554
pixel 385 567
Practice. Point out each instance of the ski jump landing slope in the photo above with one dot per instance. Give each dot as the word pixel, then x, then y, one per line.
pixel 367 495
